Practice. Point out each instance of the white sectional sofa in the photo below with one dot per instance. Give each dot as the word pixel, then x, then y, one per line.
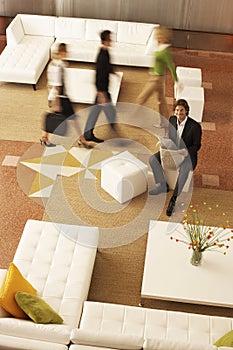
pixel 32 38
pixel 58 261
pixel 116 326
pixel 133 43
pixel 29 38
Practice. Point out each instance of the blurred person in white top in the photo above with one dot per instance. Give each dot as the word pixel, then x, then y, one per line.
pixel 58 100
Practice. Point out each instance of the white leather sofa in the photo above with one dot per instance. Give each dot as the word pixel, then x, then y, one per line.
pixel 58 261
pixel 133 43
pixel 31 39
pixel 116 326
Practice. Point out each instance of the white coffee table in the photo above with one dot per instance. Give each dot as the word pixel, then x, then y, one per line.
pixel 80 85
pixel 169 275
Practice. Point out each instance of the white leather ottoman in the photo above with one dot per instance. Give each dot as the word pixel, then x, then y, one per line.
pixel 80 85
pixel 189 76
pixel 195 98
pixel 124 176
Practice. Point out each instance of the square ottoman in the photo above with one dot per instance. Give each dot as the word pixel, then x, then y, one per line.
pixel 189 76
pixel 195 98
pixel 124 176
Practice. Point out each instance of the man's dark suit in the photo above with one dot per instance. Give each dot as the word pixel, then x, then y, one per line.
pixel 190 139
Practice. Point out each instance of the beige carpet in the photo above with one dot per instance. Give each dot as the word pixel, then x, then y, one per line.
pixel 118 271
pixel 82 200
pixel 23 108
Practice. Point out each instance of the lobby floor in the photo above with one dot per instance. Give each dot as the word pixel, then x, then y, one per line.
pixel 213 174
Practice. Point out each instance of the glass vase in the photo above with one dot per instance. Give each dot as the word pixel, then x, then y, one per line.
pixel 196 258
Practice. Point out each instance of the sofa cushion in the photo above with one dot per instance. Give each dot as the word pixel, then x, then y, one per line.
pixel 107 339
pixel 130 54
pixel 152 44
pixel 55 333
pixel 165 344
pixel 134 33
pixel 14 32
pixel 38 25
pixel 67 27
pixel 225 340
pixel 79 50
pixel 95 27
pixel 37 309
pixel 13 283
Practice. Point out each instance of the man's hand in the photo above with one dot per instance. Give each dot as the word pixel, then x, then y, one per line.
pixel 183 152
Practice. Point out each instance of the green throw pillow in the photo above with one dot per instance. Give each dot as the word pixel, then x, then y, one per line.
pixel 37 309
pixel 225 340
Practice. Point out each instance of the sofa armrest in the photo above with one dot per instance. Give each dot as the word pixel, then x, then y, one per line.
pixel 14 32
pixel 3 313
pixel 152 44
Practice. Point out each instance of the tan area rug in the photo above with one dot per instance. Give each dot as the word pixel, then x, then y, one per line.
pixel 23 108
pixel 118 269
pixel 79 199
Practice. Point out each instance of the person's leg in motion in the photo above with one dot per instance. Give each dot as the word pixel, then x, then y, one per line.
pixel 161 185
pixel 68 111
pixel 110 112
pixel 149 89
pixel 81 140
pixel 91 122
pixel 162 102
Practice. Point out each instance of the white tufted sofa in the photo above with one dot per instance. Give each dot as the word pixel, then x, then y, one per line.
pixel 58 261
pixel 32 38
pixel 133 43
pixel 29 38
pixel 115 326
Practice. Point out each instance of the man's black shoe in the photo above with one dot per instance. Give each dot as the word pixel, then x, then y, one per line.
pixel 92 137
pixel 171 206
pixel 160 189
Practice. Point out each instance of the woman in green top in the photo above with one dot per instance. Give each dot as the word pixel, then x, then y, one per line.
pixel 156 82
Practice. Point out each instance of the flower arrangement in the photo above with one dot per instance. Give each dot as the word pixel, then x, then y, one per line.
pixel 200 237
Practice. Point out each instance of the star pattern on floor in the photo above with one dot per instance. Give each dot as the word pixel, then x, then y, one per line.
pixel 64 161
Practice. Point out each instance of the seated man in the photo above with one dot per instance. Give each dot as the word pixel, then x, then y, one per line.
pixel 186 135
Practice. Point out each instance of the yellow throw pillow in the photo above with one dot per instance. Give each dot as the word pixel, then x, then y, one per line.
pixel 37 309
pixel 14 282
